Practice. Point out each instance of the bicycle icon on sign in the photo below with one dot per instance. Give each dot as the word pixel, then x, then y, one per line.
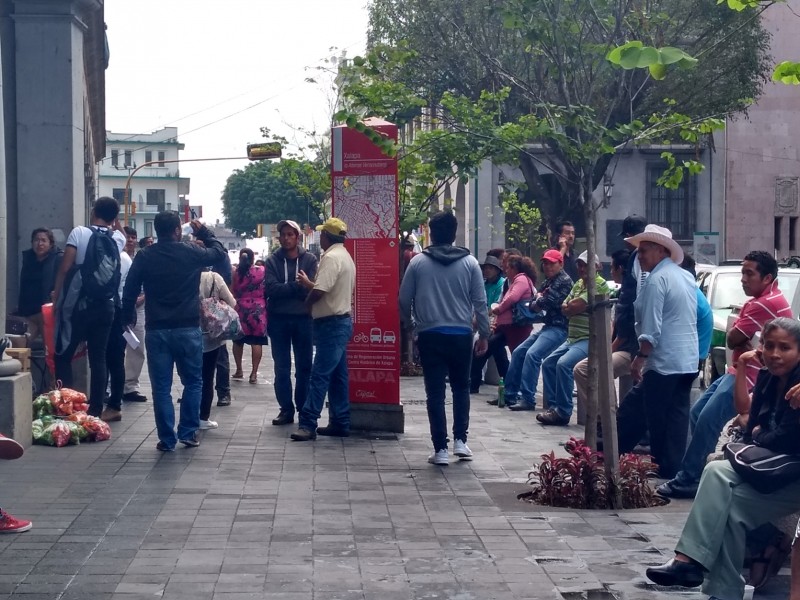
pixel 361 338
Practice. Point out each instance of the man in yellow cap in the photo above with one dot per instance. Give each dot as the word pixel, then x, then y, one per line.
pixel 330 298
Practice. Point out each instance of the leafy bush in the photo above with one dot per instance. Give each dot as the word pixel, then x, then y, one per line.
pixel 580 480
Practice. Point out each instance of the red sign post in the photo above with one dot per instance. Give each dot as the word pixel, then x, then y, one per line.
pixel 365 197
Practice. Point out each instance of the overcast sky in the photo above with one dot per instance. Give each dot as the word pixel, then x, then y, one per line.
pixel 193 64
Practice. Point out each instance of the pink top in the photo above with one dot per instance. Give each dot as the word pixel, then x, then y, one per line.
pixel 521 288
pixel 250 302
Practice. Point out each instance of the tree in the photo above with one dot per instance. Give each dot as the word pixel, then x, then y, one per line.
pixel 266 192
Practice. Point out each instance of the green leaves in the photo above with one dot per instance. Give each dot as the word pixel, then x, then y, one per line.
pixel 635 55
pixel 740 5
pixel 788 72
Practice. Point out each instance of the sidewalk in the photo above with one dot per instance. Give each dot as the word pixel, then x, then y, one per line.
pixel 250 514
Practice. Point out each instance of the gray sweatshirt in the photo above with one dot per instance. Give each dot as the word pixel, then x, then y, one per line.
pixel 443 287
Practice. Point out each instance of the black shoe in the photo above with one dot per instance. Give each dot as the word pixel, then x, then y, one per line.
pixel 303 435
pixel 224 400
pixel 162 447
pixel 191 442
pixel 676 489
pixel 551 417
pixel 284 418
pixel 675 572
pixel 134 397
pixel 522 406
pixel 493 402
pixel 333 431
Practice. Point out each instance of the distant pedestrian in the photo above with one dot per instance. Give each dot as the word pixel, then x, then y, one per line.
pixel 441 293
pixel 37 278
pixel 330 300
pixel 248 289
pixel 666 364
pixel 493 277
pixel 565 243
pixel 169 272
pixel 134 357
pixel 289 322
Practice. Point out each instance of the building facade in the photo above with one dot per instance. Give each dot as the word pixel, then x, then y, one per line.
pixel 153 188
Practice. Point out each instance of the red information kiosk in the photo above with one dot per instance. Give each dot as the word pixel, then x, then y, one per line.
pixel 364 182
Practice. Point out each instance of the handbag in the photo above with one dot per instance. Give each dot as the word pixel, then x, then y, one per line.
pixel 218 321
pixel 765 470
pixel 522 315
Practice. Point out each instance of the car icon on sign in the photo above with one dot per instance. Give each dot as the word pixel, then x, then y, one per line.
pixel 389 337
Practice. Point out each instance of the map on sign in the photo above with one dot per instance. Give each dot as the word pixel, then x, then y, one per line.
pixel 367 203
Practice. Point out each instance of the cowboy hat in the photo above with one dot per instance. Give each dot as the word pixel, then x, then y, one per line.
pixel 661 236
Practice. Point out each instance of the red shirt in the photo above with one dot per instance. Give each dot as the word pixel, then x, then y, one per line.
pixel 771 304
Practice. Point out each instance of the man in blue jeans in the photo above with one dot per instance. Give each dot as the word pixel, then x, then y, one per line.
pixel 526 360
pixel 169 272
pixel 557 368
pixel 443 289
pixel 329 298
pixel 289 322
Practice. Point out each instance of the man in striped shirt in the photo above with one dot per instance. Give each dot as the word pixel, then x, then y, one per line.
pixel 715 407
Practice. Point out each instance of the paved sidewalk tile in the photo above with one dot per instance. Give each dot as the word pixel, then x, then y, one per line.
pixel 251 514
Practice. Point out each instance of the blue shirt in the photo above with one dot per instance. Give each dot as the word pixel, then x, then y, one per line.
pixel 705 324
pixel 666 317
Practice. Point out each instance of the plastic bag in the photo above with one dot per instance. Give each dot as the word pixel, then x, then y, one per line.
pixel 96 430
pixel 76 432
pixel 61 406
pixel 73 396
pixel 57 434
pixel 42 406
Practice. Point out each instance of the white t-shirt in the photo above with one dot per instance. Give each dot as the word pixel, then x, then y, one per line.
pixel 79 239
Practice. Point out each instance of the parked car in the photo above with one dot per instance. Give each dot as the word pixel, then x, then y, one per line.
pixel 723 287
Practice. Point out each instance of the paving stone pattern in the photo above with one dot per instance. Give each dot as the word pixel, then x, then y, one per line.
pixel 250 514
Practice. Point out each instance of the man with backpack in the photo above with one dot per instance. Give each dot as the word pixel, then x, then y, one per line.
pixel 86 296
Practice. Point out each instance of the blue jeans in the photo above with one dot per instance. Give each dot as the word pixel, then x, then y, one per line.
pixel 329 375
pixel 706 419
pixel 526 361
pixel 444 356
pixel 558 378
pixel 287 332
pixel 167 349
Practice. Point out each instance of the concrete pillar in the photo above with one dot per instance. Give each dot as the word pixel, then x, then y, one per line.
pixel 50 123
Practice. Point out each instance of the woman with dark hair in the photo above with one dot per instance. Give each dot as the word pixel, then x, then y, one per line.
pixel 248 289
pixel 521 277
pixel 38 277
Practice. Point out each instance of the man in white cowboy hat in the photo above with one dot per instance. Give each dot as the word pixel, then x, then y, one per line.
pixel 666 364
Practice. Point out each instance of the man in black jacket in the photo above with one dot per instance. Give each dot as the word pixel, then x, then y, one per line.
pixel 289 322
pixel 169 271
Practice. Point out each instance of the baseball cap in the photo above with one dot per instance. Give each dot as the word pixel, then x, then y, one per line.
pixel 632 225
pixel 334 226
pixel 290 223
pixel 553 256
pixel 584 258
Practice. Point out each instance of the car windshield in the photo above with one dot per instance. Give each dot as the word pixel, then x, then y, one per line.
pixel 728 291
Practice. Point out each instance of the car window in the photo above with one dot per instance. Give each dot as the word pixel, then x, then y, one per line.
pixel 787 283
pixel 727 291
pixel 702 283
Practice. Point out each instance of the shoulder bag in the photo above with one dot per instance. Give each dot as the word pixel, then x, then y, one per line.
pixel 765 470
pixel 218 321
pixel 521 313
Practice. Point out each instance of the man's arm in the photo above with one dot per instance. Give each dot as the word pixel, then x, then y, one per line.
pixel 70 252
pixel 275 288
pixel 133 287
pixel 478 293
pixel 574 307
pixel 736 339
pixel 213 251
pixel 408 289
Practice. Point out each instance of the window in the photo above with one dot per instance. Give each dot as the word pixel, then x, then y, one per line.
pixel 673 209
pixel 119 195
pixel 115 158
pixel 161 157
pixel 792 234
pixel 128 158
pixel 778 230
pixel 148 229
pixel 148 156
pixel 156 198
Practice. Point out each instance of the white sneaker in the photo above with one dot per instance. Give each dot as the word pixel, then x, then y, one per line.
pixel 208 424
pixel 462 451
pixel 439 457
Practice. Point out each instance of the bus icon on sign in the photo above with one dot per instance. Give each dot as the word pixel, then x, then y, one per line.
pixel 375 335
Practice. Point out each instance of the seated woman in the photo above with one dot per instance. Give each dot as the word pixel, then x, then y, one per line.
pixel 37 278
pixel 712 544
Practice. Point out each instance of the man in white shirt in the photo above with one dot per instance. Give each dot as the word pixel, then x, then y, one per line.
pixel 80 317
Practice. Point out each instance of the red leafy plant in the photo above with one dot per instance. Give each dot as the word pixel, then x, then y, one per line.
pixel 580 480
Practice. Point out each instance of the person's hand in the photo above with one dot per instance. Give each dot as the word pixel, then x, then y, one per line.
pixel 303 280
pixel 481 346
pixel 746 357
pixel 741 421
pixel 636 368
pixel 756 431
pixel 196 225
pixel 118 225
pixel 793 396
pixel 495 311
pixel 199 243
pixel 139 300
pixel 562 243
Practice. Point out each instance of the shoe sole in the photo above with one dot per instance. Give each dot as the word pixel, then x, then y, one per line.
pixel 164 448
pixel 668 580
pixel 18 529
pixel 10 449
pixel 303 439
pixel 439 463
pixel 206 428
pixel 190 443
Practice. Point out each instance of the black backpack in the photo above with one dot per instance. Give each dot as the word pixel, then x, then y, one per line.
pixel 100 271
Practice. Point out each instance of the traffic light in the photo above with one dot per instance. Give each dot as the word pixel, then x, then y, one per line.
pixel 264 151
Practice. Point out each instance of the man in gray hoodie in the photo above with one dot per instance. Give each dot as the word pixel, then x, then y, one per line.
pixel 441 293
